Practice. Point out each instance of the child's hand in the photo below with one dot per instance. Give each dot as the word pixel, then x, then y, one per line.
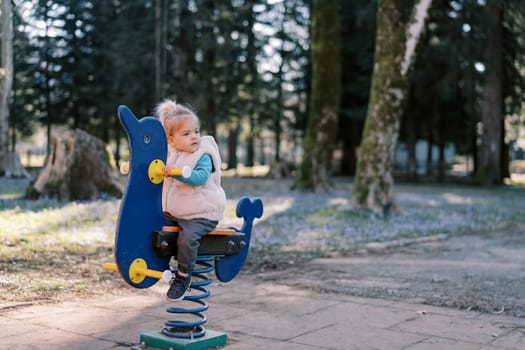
pixel 166 170
pixel 185 172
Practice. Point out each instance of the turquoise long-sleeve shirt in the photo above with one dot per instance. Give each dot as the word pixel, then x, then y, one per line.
pixel 201 172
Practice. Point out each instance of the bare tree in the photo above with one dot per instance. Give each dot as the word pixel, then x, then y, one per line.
pixel 399 29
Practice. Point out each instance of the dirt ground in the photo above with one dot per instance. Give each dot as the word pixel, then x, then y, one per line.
pixel 484 272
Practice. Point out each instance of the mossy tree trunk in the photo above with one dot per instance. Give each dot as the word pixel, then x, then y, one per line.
pixel 320 137
pixel 399 28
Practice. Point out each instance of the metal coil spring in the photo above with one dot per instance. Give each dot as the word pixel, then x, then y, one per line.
pixel 186 329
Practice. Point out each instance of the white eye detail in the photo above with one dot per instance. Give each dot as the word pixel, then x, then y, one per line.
pixel 147 139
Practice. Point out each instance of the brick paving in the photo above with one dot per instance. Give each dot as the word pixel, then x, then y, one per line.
pixel 261 315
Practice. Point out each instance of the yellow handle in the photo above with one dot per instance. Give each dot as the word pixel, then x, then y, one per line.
pixel 149 273
pixel 110 266
pixel 156 171
pixel 175 172
pixel 124 168
pixel 138 270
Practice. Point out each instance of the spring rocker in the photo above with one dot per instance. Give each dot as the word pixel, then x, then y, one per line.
pixel 144 244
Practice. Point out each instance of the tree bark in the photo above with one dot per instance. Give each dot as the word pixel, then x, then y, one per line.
pixel 160 48
pixel 321 131
pixel 233 140
pixel 6 74
pixel 209 57
pixel 10 165
pixel 79 167
pixel 250 142
pixel 441 168
pixel 398 33
pixel 251 60
pixel 489 171
pixel 350 143
pixel 411 149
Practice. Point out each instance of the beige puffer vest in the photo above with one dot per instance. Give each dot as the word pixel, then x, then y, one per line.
pixel 185 201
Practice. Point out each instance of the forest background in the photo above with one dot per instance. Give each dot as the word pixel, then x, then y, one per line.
pixel 247 68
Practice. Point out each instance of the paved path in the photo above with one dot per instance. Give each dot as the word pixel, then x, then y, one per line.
pixel 261 316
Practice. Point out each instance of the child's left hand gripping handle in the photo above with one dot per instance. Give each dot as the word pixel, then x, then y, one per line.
pixel 185 171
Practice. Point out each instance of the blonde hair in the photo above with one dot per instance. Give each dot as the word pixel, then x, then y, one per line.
pixel 169 109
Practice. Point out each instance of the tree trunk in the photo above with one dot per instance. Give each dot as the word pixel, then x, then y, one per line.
pixel 233 138
pixel 10 165
pixel 321 131
pixel 6 74
pixel 278 115
pixel 79 167
pixel 441 169
pixel 474 147
pixel 429 166
pixel 252 87
pixel 277 131
pixel 250 142
pixel 262 151
pixel 489 171
pixel 398 33
pixel 47 78
pixel 411 149
pixel 351 137
pixel 160 48
pixel 278 170
pixel 505 156
pixel 209 58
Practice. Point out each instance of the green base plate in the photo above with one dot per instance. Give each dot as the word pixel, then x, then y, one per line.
pixel 157 340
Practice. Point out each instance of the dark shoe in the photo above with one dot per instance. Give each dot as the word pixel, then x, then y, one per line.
pixel 178 287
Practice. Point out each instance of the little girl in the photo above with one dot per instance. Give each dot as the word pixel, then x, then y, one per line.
pixel 196 204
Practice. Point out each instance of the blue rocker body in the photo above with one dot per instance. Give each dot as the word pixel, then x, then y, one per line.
pixel 139 234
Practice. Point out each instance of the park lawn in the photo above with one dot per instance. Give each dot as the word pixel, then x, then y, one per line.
pixel 51 251
pixel 48 249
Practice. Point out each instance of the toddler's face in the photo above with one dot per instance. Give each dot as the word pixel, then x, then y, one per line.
pixel 186 137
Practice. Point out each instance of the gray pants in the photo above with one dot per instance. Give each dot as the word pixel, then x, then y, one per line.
pixel 189 239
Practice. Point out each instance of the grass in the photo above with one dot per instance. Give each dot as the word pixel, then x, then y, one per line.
pixel 52 250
